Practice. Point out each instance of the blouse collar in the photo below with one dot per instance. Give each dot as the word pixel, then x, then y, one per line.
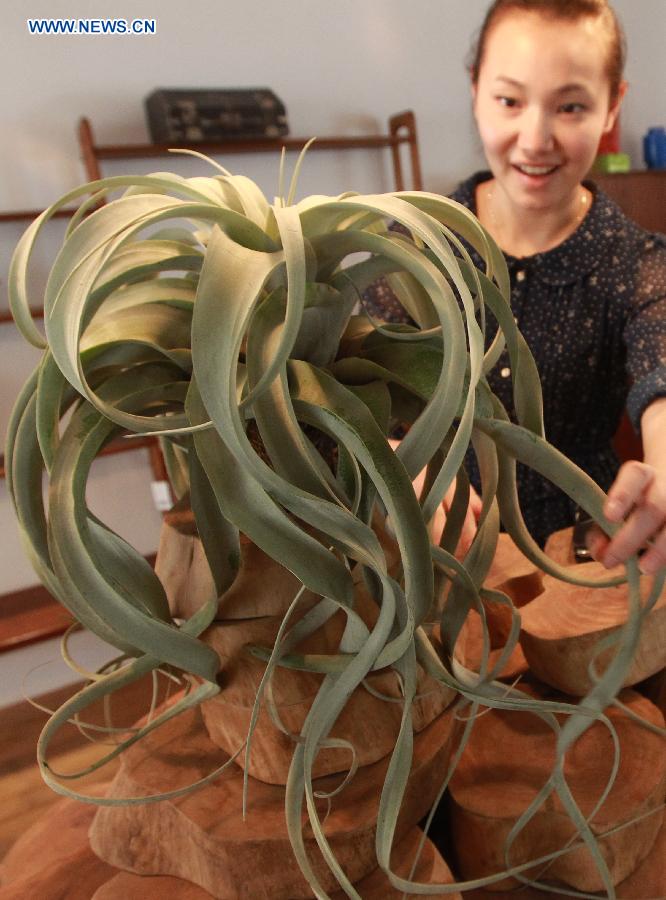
pixel 592 243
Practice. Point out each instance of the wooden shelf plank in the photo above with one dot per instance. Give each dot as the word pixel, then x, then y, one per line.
pixel 32 614
pixel 6 317
pixel 132 151
pixel 29 616
pixel 119 446
pixel 27 215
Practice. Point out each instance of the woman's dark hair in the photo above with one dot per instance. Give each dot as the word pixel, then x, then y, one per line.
pixel 559 9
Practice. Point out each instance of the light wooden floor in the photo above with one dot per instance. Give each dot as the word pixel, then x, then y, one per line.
pixel 24 795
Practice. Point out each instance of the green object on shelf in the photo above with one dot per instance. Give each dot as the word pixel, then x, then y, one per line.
pixel 612 162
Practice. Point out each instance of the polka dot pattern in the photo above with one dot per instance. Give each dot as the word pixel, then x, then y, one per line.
pixel 593 312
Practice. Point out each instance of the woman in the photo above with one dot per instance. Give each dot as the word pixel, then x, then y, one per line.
pixel 589 288
pixel 588 285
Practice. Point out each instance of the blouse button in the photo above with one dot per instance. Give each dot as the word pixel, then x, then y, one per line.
pixel 505 372
pixel 520 276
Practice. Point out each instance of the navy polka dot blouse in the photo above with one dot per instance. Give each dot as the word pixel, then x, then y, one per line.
pixel 593 311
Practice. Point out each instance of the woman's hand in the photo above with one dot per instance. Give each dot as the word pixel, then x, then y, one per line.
pixel 637 498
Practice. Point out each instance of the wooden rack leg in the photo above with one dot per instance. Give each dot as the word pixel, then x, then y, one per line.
pixel 87 145
pixel 402 127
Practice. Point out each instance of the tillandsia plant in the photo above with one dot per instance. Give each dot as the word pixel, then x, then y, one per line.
pixel 195 310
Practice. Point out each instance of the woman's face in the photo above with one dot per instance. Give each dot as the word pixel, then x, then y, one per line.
pixel 541 104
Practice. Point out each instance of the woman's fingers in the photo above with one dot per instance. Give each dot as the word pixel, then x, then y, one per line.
pixel 631 483
pixel 655 557
pixel 596 541
pixel 643 523
pixel 639 497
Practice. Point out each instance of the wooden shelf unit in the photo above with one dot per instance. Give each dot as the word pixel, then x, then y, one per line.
pixel 401 132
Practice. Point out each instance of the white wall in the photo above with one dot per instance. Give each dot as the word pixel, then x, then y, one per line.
pixel 340 67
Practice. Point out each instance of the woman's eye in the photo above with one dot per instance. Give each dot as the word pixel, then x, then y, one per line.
pixel 572 108
pixel 508 102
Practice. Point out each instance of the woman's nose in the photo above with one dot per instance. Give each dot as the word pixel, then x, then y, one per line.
pixel 536 132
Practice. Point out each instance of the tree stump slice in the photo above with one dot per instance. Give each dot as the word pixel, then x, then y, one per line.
pixel 509 758
pixel 250 613
pixel 262 587
pixel 173 565
pixel 127 886
pixel 202 838
pixel 469 649
pixel 518 578
pixel 54 861
pixel 649 879
pixel 431 869
pixel 559 547
pixel 514 574
pixel 647 882
pixel 370 724
pixel 562 628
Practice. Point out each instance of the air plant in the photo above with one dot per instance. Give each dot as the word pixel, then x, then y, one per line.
pixel 194 310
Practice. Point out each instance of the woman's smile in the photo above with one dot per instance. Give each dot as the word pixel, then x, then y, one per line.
pixel 535 176
pixel 534 171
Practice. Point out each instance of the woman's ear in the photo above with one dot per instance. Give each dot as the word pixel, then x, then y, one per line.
pixel 473 89
pixel 614 110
